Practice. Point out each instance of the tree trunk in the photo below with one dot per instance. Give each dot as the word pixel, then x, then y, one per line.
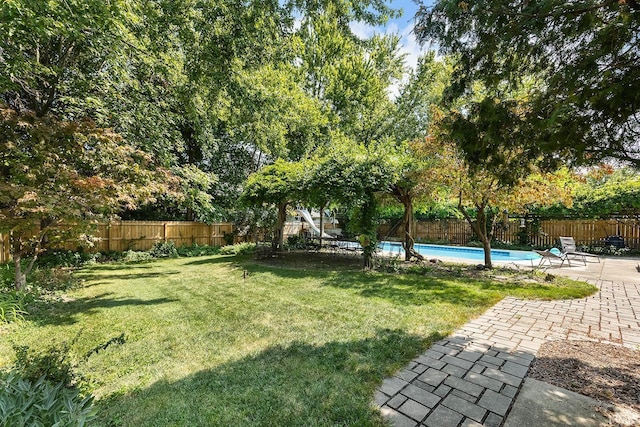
pixel 404 197
pixel 486 245
pixel 479 226
pixel 20 280
pixel 481 231
pixel 321 224
pixel 368 230
pixel 17 249
pixel 407 220
pixel 278 243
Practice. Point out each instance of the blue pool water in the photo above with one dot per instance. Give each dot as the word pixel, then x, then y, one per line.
pixel 460 252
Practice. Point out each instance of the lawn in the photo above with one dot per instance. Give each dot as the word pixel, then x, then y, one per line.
pixel 229 341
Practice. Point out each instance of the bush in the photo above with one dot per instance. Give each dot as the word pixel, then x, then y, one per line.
pixel 42 388
pixel 7 276
pixel 605 250
pixel 54 364
pixel 388 264
pixel 41 403
pixel 228 238
pixel 61 258
pixel 198 250
pixel 53 279
pixel 238 249
pixel 295 242
pixel 136 256
pixel 164 250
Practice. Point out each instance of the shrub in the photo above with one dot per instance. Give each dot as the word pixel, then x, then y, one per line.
pixel 54 364
pixel 388 264
pixel 106 256
pixel 41 403
pixel 238 249
pixel 605 250
pixel 136 256
pixel 198 250
pixel 7 276
pixel 228 238
pixel 164 250
pixel 62 258
pixel 53 279
pixel 295 242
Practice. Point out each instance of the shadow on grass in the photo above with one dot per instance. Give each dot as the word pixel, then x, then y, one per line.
pixel 413 288
pixel 111 272
pixel 296 385
pixel 65 312
pixel 217 259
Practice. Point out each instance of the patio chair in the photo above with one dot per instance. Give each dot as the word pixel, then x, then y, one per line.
pixel 568 246
pixel 549 256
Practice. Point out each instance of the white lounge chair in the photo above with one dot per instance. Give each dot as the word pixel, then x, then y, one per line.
pixel 549 256
pixel 568 246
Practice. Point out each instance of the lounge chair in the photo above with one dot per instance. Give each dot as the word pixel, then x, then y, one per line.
pixel 549 256
pixel 568 246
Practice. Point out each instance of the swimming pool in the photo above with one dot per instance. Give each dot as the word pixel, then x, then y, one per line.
pixel 460 252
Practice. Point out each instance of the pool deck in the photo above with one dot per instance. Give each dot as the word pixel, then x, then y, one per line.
pixel 477 375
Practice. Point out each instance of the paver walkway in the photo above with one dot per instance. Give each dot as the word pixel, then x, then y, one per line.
pixel 472 377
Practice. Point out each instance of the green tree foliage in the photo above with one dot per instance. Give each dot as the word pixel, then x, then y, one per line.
pixel 424 88
pixel 601 193
pixel 184 94
pixel 492 134
pixel 277 116
pixel 56 55
pixel 349 76
pixel 482 186
pixel 278 184
pixel 585 54
pixel 405 130
pixel 351 175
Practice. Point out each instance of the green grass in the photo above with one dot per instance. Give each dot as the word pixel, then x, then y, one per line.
pixel 292 344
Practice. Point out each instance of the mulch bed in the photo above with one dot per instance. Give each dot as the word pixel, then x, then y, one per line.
pixel 605 372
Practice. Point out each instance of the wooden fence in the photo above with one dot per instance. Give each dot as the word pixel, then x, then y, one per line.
pixel 142 235
pixel 544 233
pixel 588 232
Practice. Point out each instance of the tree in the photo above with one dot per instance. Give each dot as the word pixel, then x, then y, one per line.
pixel 599 193
pixel 187 96
pixel 351 175
pixel 278 184
pixel 54 54
pixel 406 128
pixel 59 63
pixel 57 178
pixel 482 189
pixel 412 114
pixel 417 167
pixel 585 55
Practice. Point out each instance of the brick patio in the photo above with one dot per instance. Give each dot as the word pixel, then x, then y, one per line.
pixel 472 377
